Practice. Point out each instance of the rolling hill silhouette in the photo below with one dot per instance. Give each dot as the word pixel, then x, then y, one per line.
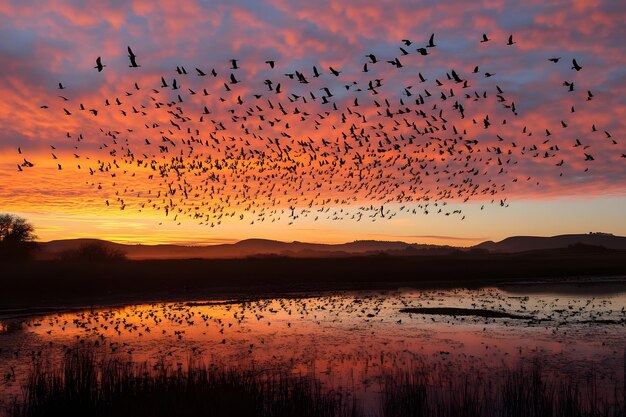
pixel 242 249
pixel 266 247
pixel 535 243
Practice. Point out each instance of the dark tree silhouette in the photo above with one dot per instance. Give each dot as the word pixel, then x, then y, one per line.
pixel 17 237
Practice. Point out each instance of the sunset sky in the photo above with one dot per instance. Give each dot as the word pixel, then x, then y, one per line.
pixel 120 155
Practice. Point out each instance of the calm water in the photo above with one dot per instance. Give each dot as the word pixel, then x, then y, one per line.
pixel 347 340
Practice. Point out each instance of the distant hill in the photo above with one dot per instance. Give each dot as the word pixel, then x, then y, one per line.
pixel 535 243
pixel 265 247
pixel 246 248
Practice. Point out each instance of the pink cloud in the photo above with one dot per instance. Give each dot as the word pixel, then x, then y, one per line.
pixel 243 142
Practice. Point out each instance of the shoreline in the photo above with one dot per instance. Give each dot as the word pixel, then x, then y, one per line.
pixel 235 295
pixel 32 286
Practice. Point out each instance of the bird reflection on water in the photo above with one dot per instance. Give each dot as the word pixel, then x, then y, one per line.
pixel 346 340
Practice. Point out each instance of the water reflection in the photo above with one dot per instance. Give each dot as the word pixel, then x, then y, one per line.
pixel 347 340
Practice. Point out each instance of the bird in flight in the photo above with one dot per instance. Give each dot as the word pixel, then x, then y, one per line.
pixel 334 71
pixel 133 58
pixel 431 42
pixel 99 65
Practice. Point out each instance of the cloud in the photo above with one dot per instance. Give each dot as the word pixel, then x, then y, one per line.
pixel 242 141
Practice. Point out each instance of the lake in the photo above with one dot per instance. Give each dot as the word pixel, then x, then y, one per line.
pixel 350 341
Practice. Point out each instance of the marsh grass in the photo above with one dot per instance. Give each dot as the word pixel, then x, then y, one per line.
pixel 524 391
pixel 86 384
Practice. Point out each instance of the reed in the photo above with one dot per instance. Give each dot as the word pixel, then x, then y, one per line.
pixel 524 391
pixel 86 384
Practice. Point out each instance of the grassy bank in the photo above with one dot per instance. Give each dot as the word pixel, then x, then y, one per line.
pixel 86 385
pixel 64 283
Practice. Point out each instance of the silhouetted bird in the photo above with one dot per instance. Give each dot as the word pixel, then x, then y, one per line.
pixel 99 65
pixel 133 58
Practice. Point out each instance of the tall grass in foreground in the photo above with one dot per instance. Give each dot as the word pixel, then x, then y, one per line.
pixel 87 385
pixel 521 392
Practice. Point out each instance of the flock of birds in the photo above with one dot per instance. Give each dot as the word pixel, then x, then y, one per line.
pixel 211 144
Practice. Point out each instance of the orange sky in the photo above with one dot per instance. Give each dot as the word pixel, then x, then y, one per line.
pixel 367 162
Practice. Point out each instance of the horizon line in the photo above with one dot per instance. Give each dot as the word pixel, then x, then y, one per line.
pixel 229 241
